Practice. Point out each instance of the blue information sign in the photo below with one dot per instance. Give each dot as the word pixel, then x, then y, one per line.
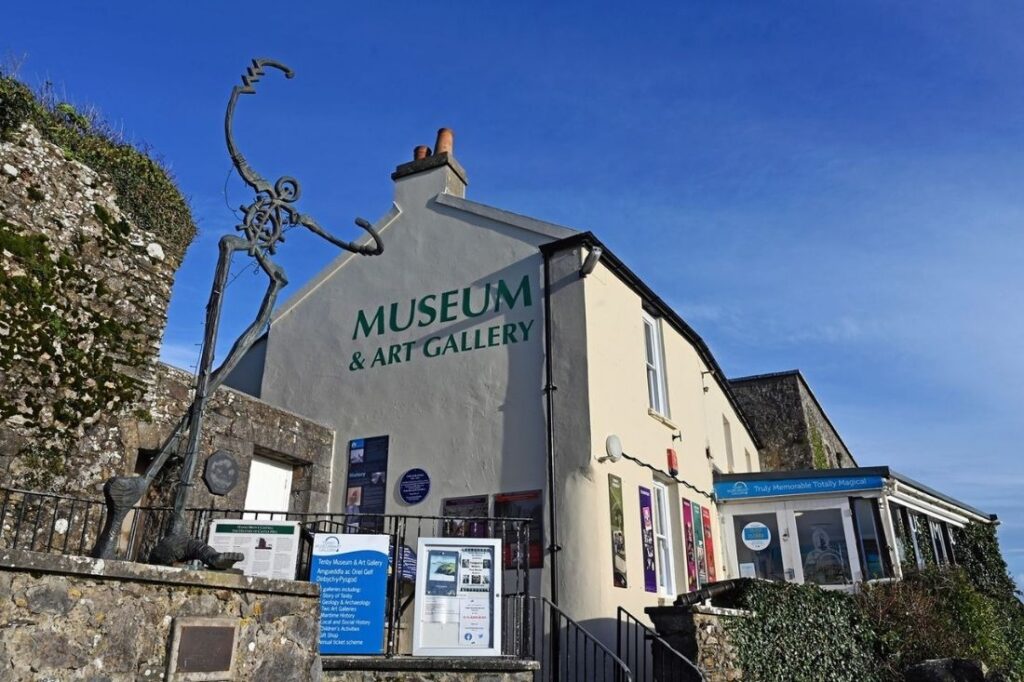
pixel 739 490
pixel 414 486
pixel 352 571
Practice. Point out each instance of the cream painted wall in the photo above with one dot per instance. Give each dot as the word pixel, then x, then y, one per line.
pixel 617 403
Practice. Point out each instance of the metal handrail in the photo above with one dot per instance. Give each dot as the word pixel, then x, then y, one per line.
pixel 660 670
pixel 568 652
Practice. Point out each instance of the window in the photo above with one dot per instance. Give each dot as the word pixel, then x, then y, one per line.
pixel 939 542
pixel 729 458
pixel 655 366
pixel 663 542
pixel 874 558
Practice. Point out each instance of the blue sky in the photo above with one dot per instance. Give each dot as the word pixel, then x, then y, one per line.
pixel 837 187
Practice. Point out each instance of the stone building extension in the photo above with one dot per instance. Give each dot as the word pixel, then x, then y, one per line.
pixel 794 431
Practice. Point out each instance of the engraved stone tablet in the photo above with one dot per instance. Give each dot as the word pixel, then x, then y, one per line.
pixel 221 472
pixel 203 649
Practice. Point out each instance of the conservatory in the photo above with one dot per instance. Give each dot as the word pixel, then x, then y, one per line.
pixel 836 527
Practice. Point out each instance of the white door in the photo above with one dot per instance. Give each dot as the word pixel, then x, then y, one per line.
pixel 270 488
pixel 822 546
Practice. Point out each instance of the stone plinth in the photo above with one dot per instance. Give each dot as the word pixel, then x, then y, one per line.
pixel 70 617
pixel 427 669
pixel 701 634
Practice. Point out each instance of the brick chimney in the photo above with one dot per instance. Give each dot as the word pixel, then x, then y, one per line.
pixel 431 173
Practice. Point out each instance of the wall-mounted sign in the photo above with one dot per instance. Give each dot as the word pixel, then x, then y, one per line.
pixel 691 547
pixel 203 648
pixel 352 571
pixel 698 545
pixel 756 536
pixel 709 544
pixel 366 485
pixel 220 473
pixel 458 598
pixel 414 486
pixel 738 490
pixel 430 310
pixel 647 535
pixel 528 504
pixel 617 513
pixel 271 548
pixel 470 512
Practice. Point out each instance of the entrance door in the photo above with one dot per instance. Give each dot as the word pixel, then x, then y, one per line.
pixel 799 541
pixel 823 547
pixel 269 489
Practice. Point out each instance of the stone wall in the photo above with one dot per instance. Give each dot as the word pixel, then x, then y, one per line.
pixel 793 429
pixel 701 633
pixel 242 425
pixel 83 301
pixel 64 618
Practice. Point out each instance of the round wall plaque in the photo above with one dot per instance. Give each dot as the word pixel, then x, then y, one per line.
pixel 221 472
pixel 756 536
pixel 414 486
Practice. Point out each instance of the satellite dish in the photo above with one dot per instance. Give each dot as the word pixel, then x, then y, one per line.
pixel 612 448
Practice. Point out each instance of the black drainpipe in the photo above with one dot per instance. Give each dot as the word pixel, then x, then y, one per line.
pixel 549 390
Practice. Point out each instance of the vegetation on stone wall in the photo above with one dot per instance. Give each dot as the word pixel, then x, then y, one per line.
pixel 801 632
pixel 818 448
pixel 145 191
pixel 83 286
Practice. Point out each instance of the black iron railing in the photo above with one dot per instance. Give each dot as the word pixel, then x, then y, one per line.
pixel 58 524
pixel 648 656
pixel 566 651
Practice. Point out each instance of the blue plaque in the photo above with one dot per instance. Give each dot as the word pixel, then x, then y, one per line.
pixel 414 486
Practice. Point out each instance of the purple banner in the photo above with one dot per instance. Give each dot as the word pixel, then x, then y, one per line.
pixel 647 534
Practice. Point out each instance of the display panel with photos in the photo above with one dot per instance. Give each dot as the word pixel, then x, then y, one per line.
pixel 527 504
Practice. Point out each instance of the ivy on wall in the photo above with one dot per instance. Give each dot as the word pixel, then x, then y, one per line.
pixel 802 632
pixel 818 448
pixel 145 191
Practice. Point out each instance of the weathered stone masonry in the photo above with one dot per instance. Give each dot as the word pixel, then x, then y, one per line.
pixel 83 301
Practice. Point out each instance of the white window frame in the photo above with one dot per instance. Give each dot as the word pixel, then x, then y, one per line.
pixel 657 395
pixel 663 549
pixel 730 457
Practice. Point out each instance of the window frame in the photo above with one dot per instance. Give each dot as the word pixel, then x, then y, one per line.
pixel 730 456
pixel 664 550
pixel 657 390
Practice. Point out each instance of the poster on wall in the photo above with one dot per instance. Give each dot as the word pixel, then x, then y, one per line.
pixel 352 571
pixel 528 504
pixel 458 598
pixel 616 510
pixel 647 534
pixel 691 547
pixel 709 544
pixel 366 485
pixel 465 509
pixel 698 545
pixel 271 548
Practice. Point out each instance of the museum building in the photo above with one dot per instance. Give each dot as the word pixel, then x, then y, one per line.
pixel 514 367
pixel 432 357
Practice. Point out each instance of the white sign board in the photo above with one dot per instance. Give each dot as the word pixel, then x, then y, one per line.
pixel 458 597
pixel 271 548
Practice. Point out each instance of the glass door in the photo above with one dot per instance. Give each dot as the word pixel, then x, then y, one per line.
pixel 823 548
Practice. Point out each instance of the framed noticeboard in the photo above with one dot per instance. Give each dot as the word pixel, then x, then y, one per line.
pixel 458 598
pixel 270 548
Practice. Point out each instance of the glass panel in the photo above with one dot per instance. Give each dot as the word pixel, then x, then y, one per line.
pixel 758 547
pixel 870 543
pixel 938 542
pixel 823 550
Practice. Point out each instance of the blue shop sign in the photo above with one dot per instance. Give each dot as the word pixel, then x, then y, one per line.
pixel 414 486
pixel 740 490
pixel 352 571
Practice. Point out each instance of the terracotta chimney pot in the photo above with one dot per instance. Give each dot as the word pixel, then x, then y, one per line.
pixel 445 141
pixel 420 152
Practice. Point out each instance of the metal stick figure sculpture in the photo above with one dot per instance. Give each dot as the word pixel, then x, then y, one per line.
pixel 262 227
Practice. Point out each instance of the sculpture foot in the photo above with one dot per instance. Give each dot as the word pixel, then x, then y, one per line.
pixel 178 548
